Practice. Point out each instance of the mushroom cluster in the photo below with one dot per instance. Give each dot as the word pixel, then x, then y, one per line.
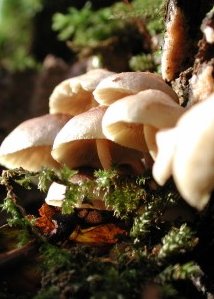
pixel 29 145
pixel 96 120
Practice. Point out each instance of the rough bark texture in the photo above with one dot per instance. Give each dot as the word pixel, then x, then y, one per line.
pixel 187 60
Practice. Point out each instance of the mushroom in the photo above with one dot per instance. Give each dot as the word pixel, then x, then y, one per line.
pixel 81 143
pixel 74 95
pixel 120 85
pixel 193 161
pixel 190 157
pixel 134 120
pixel 29 144
pixel 162 167
pixel 56 193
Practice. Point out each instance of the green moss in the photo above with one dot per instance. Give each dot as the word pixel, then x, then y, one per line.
pixel 154 249
pixel 123 25
pixel 180 239
pixel 15 18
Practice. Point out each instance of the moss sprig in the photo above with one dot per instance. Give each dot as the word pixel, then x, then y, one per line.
pixel 186 271
pixel 73 196
pixel 16 212
pixel 53 255
pixel 17 218
pixel 150 215
pixel 122 194
pixel 178 240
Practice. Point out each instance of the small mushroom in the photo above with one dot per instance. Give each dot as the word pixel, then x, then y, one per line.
pixel 120 85
pixel 76 143
pixel 29 144
pixel 162 167
pixel 74 95
pixel 134 120
pixel 56 193
pixel 81 143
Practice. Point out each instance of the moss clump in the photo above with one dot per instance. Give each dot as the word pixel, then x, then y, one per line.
pixel 154 250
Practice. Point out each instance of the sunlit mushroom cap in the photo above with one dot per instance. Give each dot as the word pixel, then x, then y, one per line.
pixel 134 120
pixel 74 95
pixel 81 143
pixel 186 153
pixel 162 167
pixel 29 144
pixel 75 144
pixel 193 162
pixel 120 85
pixel 55 194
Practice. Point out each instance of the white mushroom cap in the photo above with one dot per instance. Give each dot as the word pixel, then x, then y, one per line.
pixel 193 163
pixel 186 152
pixel 120 85
pixel 56 194
pixel 29 144
pixel 75 144
pixel 133 121
pixel 74 95
pixel 92 78
pixel 162 167
pixel 82 143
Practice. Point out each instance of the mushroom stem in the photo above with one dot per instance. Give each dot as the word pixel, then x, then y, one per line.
pixel 147 161
pixel 149 135
pixel 103 151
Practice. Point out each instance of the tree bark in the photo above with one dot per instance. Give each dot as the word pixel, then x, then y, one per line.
pixel 188 49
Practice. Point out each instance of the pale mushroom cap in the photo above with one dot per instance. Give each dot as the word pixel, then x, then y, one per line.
pixel 29 144
pixel 193 163
pixel 75 144
pixel 150 139
pixel 56 194
pixel 92 78
pixel 74 95
pixel 120 85
pixel 162 167
pixel 81 142
pixel 124 120
pixel 64 100
pixel 82 126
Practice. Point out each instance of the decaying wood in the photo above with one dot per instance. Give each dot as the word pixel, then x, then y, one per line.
pixel 188 49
